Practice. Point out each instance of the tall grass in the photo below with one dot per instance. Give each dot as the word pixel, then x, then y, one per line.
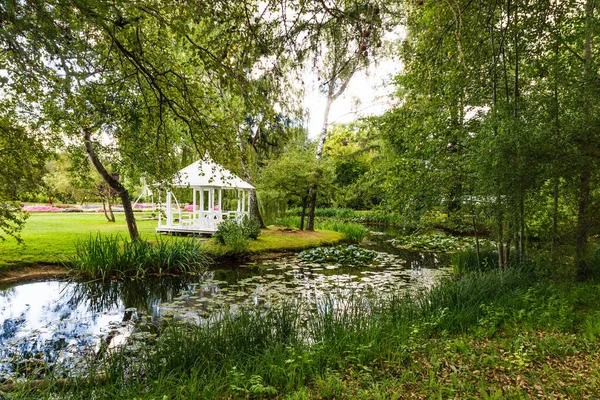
pixel 466 260
pixel 114 256
pixel 353 232
pixel 268 352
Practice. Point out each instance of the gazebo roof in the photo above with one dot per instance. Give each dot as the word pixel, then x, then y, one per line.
pixel 207 173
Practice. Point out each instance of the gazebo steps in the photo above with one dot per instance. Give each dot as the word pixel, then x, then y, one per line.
pixel 185 229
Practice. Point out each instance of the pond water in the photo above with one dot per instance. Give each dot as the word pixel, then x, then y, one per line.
pixel 55 326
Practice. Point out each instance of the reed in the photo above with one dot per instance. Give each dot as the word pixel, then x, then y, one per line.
pixel 269 352
pixel 114 256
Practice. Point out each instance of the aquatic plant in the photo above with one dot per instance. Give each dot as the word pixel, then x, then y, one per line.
pixel 436 242
pixel 114 256
pixel 258 352
pixel 344 255
pixel 294 343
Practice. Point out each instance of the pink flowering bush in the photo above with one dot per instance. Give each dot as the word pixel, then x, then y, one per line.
pixel 42 209
pixel 189 207
pixel 143 206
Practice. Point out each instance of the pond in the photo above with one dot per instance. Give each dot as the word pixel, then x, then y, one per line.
pixel 56 326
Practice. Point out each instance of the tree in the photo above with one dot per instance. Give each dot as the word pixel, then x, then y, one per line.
pixel 341 35
pixel 354 151
pixel 23 156
pixel 291 175
pixel 145 79
pixel 495 104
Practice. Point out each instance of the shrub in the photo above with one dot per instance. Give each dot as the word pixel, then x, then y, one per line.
pixel 235 234
pixel 250 228
pixel 108 256
pixel 227 230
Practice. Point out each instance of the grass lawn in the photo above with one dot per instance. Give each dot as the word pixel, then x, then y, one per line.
pixel 50 238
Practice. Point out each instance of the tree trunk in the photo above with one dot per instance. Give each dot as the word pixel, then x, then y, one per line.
pixel 476 243
pixel 104 208
pixel 110 210
pixel 113 183
pixel 310 225
pixel 584 201
pixel 555 218
pixel 500 242
pixel 522 226
pixel 507 246
pixel 332 95
pixel 304 200
pixel 581 233
pixel 254 210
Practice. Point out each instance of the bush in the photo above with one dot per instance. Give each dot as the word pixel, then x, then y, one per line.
pixel 227 231
pixel 235 234
pixel 251 228
pixel 114 256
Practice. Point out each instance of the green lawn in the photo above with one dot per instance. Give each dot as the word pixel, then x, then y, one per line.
pixel 51 237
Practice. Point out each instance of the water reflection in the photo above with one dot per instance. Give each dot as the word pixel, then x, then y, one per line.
pixel 53 326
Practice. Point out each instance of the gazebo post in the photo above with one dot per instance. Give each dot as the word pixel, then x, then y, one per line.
pixel 169 210
pixel 201 213
pixel 243 202
pixel 159 210
pixel 221 203
pixel 194 204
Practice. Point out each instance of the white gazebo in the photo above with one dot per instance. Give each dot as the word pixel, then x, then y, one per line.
pixel 209 183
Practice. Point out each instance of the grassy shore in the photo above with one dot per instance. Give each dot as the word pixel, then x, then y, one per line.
pixel 491 335
pixel 49 238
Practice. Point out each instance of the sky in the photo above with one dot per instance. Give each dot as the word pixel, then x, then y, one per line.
pixel 368 93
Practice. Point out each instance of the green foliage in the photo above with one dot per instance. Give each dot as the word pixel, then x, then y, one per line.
pixel 231 234
pixel 344 255
pixel 339 213
pixel 235 234
pixel 22 166
pixel 114 256
pixel 492 321
pixel 250 228
pixel 436 242
pixel 353 232
pixel 290 176
pixel 285 348
pixel 465 261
